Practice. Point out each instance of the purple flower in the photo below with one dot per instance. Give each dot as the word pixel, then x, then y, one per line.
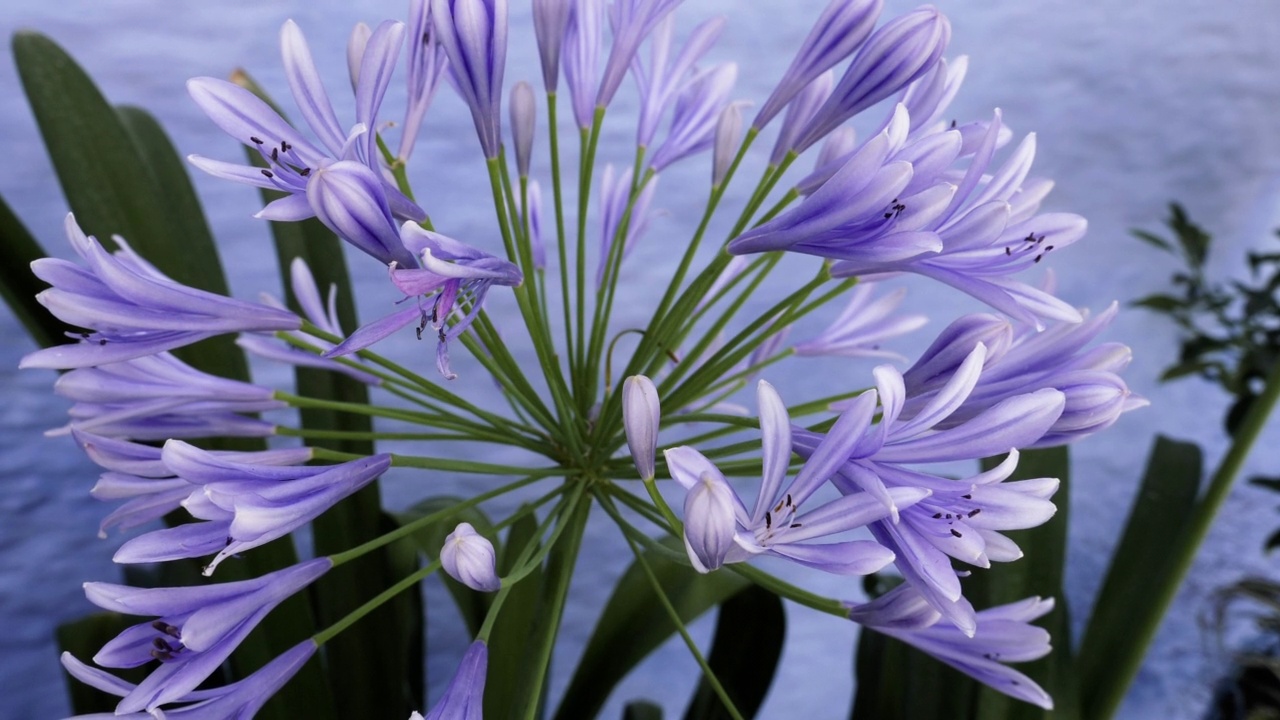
pixel 834 153
pixel 697 111
pixel 464 698
pixel 196 628
pixel 132 309
pixel 662 80
pixel 473 34
pixel 800 112
pixel 775 525
pixel 245 504
pixel 1003 634
pixel 452 271
pixel 549 20
pixel 427 64
pixel 468 558
pixel 615 197
pixel 241 699
pixel 159 397
pixel 323 313
pixel 583 36
pixel 348 198
pixel 291 159
pixel 866 322
pixel 136 473
pixel 632 21
pixel 641 414
pixel 728 135
pixel 839 30
pixel 898 53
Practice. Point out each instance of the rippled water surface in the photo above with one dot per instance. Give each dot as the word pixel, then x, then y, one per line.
pixel 1135 104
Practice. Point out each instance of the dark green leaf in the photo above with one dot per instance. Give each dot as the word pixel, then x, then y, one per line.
pixel 634 623
pixel 1161 511
pixel 18 286
pixel 744 654
pixel 641 710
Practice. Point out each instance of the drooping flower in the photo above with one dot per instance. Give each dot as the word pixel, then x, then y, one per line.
pixel 452 272
pixel 196 628
pixel 160 397
pixel 132 309
pixel 464 698
pixel 641 414
pixel 864 324
pixel 243 505
pixel 136 473
pixel 468 557
pixel 240 699
pixel 291 159
pixel 1003 634
pixel 775 525
pixel 473 34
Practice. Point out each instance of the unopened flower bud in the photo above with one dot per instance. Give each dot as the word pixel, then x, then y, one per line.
pixel 355 51
pixel 728 135
pixel 709 522
pixel 524 114
pixel 640 416
pixel 468 558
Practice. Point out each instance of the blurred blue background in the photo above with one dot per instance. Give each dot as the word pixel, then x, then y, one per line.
pixel 1135 104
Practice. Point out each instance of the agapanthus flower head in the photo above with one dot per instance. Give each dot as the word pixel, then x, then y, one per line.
pixel 196 628
pixel 159 397
pixel 1003 634
pixel 775 524
pixel 291 160
pixel 473 34
pixel 131 310
pixel 468 557
pixel 242 505
pixel 839 30
pixel 240 699
pixel 450 271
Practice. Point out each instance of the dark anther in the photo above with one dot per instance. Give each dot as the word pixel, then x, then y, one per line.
pixel 967 497
pixel 795 525
pixel 268 173
pixel 304 172
pixel 1008 251
pixel 888 215
pixel 974 511
pixel 440 336
pixel 165 628
pixel 275 155
pixel 947 516
pixel 768 520
pixel 1038 258
pixel 160 644
pixel 788 499
pixel 953 124
pixel 255 140
pixel 102 341
pixel 84 335
pixel 1048 248
pixel 161 655
pixel 284 146
pixel 1031 237
pixel 956 532
pixel 937 515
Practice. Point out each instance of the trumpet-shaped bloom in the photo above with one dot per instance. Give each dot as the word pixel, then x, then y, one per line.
pixel 863 326
pixel 241 699
pixel 136 473
pixel 468 557
pixel 452 272
pixel 159 397
pixel 1003 634
pixel 464 698
pixel 839 30
pixel 195 630
pixel 292 160
pixel 715 514
pixel 131 309
pixel 350 200
pixel 473 34
pixel 244 505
